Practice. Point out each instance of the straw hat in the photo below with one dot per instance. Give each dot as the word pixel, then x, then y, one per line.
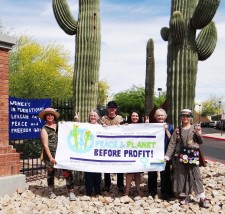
pixel 49 111
pixel 187 112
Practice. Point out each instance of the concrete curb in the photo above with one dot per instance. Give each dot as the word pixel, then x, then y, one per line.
pixel 215 138
pixel 213 160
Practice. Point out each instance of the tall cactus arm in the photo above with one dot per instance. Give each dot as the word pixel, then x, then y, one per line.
pixel 206 41
pixel 183 58
pixel 177 27
pixel 204 13
pixel 150 77
pixel 64 16
pixel 165 31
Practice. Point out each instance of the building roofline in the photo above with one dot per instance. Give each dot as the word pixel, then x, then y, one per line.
pixel 7 41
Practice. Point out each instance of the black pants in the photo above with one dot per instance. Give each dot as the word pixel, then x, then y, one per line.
pixel 92 182
pixel 107 179
pixel 152 182
pixel 166 184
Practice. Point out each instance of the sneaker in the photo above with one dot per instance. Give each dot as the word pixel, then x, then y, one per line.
pixel 52 195
pixel 204 203
pixel 186 200
pixel 72 196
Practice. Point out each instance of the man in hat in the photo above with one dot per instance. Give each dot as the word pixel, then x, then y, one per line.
pixel 112 118
pixel 49 140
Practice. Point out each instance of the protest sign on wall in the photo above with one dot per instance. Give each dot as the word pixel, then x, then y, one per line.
pixel 24 122
pixel 113 149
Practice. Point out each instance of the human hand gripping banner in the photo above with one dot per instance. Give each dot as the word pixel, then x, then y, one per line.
pixel 112 149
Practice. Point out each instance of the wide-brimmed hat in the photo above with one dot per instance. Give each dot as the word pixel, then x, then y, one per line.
pixel 186 112
pixel 112 104
pixel 49 111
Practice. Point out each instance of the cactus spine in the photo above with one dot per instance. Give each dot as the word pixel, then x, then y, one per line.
pixel 184 50
pixel 150 77
pixel 87 51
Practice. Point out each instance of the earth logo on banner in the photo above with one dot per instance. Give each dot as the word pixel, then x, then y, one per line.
pixel 80 140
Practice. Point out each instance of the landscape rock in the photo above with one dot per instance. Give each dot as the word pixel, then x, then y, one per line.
pixel 35 199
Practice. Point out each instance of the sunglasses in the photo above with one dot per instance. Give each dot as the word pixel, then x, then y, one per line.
pixel 184 115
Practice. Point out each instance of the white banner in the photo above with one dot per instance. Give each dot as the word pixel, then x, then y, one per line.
pixel 112 149
pixel 223 117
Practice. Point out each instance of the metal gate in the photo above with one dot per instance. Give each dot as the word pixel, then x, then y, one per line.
pixel 30 149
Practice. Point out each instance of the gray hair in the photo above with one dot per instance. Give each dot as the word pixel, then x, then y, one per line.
pixel 94 110
pixel 97 112
pixel 160 110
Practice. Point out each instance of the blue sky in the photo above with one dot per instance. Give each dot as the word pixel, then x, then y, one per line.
pixel 126 26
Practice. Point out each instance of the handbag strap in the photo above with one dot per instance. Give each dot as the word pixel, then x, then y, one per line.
pixel 179 134
pixel 188 136
pixel 178 131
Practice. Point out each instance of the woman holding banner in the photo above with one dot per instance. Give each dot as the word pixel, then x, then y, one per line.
pixel 165 175
pixel 93 179
pixel 133 118
pixel 49 140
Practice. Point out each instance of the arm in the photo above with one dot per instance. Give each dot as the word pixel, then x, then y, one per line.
pixel 146 119
pixel 198 134
pixel 171 146
pixel 44 140
pixel 76 117
pixel 168 133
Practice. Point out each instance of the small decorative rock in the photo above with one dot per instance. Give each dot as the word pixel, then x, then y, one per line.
pixel 35 199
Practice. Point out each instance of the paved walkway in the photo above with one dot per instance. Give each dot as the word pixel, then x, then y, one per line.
pixel 215 136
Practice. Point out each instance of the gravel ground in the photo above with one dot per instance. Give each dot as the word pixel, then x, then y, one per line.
pixel 35 199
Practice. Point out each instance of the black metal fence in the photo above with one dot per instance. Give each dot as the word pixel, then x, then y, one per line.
pixel 30 149
pixel 65 108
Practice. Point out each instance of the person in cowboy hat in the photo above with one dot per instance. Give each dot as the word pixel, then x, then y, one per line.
pixel 49 140
pixel 186 177
pixel 112 118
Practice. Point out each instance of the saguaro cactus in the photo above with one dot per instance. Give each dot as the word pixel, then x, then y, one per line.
pixel 185 49
pixel 150 77
pixel 87 51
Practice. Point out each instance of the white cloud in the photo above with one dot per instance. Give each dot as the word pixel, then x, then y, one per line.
pixel 126 28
